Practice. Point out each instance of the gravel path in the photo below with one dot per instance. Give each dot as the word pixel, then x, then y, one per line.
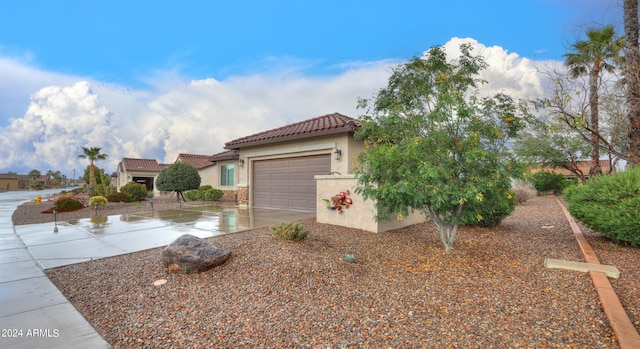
pixel 404 291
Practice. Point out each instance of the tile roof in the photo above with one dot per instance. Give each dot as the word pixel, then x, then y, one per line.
pixel 142 165
pixel 198 161
pixel 225 155
pixel 321 125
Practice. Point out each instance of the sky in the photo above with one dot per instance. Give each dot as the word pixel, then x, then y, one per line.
pixel 153 79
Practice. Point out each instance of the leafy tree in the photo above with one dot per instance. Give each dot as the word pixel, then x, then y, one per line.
pixel 93 154
pixel 592 57
pixel 550 143
pixel 632 72
pixel 545 181
pixel 35 174
pixel 178 177
pixel 34 183
pixel 432 145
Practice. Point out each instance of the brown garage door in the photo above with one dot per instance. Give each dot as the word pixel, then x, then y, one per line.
pixel 288 183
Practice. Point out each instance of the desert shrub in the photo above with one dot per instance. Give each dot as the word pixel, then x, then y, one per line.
pixel 119 197
pixel 545 181
pixel 137 191
pixel 523 191
pixel 205 192
pixel 68 203
pixel 213 194
pixel 289 231
pixel 97 200
pixel 493 204
pixel 609 204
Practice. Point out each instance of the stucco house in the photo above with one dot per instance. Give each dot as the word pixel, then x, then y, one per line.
pixel 294 167
pixel 143 171
pixel 277 168
pixel 299 166
pixel 146 171
pixel 9 181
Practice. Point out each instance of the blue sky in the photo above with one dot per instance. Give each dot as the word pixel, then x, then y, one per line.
pixel 139 59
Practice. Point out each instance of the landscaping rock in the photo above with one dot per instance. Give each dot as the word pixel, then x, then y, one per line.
pixel 189 254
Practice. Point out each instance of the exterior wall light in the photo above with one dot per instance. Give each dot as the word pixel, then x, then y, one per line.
pixel 241 162
pixel 337 154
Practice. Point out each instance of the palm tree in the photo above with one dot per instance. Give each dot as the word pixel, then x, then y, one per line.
pixel 92 154
pixel 35 174
pixel 591 57
pixel 632 62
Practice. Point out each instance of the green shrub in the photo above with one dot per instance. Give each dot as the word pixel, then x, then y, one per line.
pixel 213 194
pixel 498 201
pixel 68 203
pixel 205 192
pixel 545 181
pixel 193 195
pixel 289 231
pixel 97 200
pixel 137 191
pixel 150 194
pixel 119 197
pixel 609 204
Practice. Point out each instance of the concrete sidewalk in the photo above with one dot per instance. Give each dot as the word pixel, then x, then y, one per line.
pixel 35 314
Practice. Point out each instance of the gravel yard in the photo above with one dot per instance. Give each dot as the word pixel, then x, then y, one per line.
pixel 404 291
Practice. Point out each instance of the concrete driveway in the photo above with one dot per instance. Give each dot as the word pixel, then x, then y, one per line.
pixel 35 314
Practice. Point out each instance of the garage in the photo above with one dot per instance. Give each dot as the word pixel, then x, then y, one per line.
pixel 288 183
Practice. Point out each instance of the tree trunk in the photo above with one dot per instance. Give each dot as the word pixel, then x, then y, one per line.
pixel 632 58
pixel 92 176
pixel 593 106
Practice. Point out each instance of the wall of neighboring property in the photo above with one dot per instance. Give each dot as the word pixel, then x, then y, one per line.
pixel 302 147
pixel 125 177
pixel 361 214
pixel 9 184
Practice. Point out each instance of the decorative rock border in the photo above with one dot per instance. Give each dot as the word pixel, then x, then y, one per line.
pixel 628 337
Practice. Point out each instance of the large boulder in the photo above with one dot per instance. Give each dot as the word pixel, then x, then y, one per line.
pixel 189 254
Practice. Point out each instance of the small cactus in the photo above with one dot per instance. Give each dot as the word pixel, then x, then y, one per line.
pixel 289 231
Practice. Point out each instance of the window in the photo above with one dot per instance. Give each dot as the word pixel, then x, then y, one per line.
pixel 226 175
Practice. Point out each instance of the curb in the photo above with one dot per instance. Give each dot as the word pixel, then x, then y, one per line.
pixel 628 337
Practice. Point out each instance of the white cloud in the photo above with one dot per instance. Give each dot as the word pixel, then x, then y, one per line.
pixel 175 115
pixel 506 72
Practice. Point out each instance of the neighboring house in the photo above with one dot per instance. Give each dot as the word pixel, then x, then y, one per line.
pixel 582 166
pixel 277 168
pixel 146 171
pixel 25 180
pixel 9 181
pixel 143 171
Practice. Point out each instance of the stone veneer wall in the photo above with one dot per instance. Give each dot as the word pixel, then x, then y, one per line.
pixel 230 195
pixel 243 195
